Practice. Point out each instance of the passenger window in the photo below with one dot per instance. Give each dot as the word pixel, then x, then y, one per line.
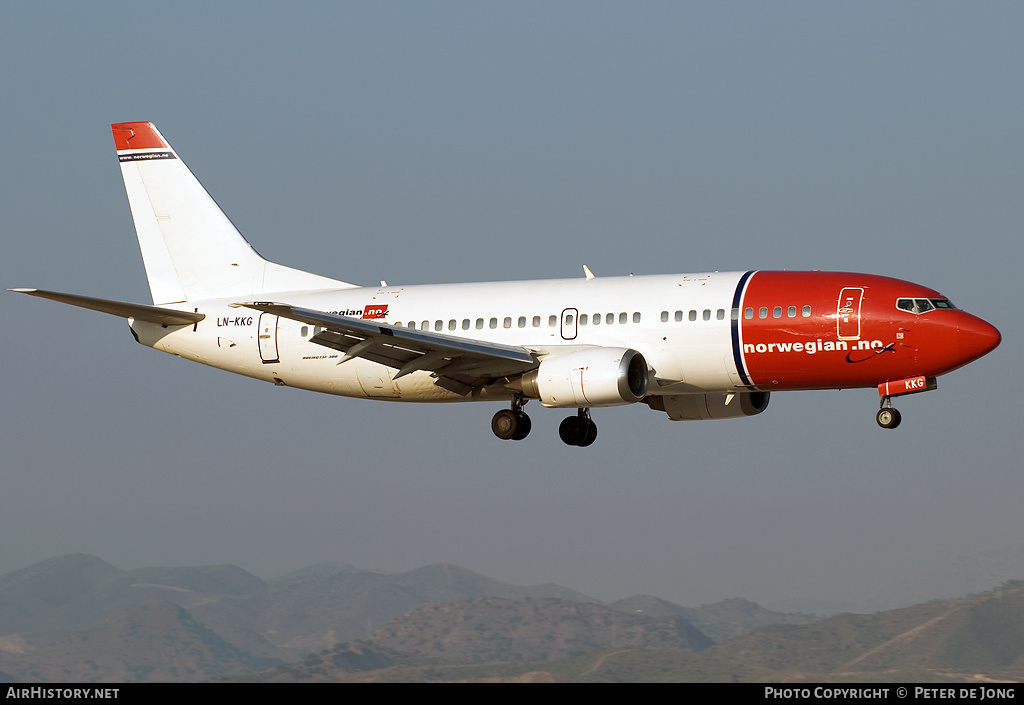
pixel 597 319
pixel 438 325
pixel 412 324
pixel 693 315
pixel 465 324
pixel 610 318
pixel 451 324
pixel 583 319
pixel 735 314
pixel 636 316
pixel 522 321
pixel 479 323
pixel 304 331
pixel 536 321
pixel 748 312
pixel 552 321
pixel 507 323
pixel 664 316
pixel 425 325
pixel 707 314
pixel 622 317
pixel 792 312
pixel 721 314
pixel 763 312
pixel 807 311
pixel 679 316
pixel 493 323
pixel 777 312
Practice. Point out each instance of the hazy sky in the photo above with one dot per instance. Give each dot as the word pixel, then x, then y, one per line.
pixel 449 141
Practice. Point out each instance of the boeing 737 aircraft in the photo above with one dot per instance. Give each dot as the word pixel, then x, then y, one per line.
pixel 712 345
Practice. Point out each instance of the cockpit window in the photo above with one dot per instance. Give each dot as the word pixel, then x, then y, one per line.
pixel 922 305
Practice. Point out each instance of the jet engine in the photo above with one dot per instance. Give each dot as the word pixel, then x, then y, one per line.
pixel 720 405
pixel 588 378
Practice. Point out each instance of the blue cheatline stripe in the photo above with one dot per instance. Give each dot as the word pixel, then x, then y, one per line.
pixel 737 355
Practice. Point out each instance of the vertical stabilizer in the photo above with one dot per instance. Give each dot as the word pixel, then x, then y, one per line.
pixel 190 248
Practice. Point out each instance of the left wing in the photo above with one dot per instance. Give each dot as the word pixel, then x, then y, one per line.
pixel 459 364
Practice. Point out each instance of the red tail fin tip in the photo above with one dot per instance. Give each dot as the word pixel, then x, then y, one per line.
pixel 137 135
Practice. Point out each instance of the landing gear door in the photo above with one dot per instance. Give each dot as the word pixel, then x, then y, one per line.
pixel 267 334
pixel 569 317
pixel 848 313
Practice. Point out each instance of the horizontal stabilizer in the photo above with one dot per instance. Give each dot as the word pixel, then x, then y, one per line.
pixel 153 314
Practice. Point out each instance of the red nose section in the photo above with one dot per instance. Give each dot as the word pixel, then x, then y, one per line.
pixel 975 338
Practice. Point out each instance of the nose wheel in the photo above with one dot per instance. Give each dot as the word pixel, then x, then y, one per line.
pixel 511 424
pixel 888 417
pixel 578 430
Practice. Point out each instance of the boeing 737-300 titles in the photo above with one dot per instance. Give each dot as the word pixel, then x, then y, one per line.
pixel 711 345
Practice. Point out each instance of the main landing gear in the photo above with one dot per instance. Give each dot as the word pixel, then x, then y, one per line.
pixel 512 424
pixel 887 417
pixel 579 430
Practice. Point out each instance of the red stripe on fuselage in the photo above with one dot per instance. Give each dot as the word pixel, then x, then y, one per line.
pixel 859 341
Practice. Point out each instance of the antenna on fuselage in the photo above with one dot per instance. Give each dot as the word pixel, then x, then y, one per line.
pixel 586 271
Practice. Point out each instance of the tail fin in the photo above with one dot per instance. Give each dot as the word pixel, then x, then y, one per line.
pixel 190 248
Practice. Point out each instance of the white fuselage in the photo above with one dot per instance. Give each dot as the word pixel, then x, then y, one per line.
pixel 543 316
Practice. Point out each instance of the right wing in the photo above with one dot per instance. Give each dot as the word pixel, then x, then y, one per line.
pixel 459 364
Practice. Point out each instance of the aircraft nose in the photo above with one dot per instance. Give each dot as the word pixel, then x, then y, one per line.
pixel 976 337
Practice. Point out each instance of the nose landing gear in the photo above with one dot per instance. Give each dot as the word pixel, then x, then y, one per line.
pixel 578 430
pixel 887 417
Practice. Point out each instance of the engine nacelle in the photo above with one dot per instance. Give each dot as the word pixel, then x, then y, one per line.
pixel 590 377
pixel 694 407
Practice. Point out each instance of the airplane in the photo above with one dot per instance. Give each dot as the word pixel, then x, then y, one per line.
pixel 711 345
